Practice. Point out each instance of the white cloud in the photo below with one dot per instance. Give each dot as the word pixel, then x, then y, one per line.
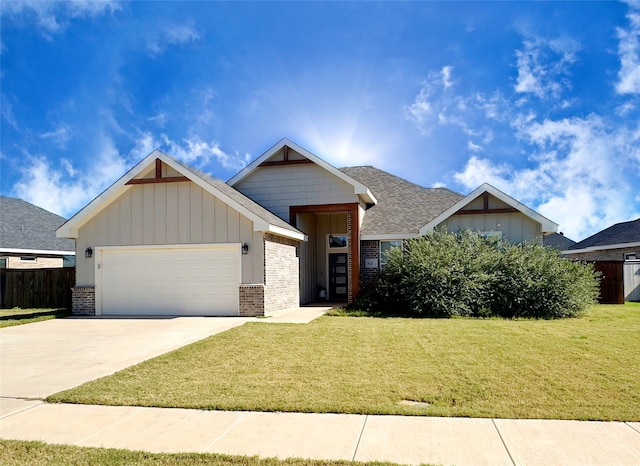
pixel 196 151
pixel 576 175
pixel 52 17
pixel 629 53
pixel 446 76
pixel 543 66
pixel 63 189
pixel 60 136
pixel 176 34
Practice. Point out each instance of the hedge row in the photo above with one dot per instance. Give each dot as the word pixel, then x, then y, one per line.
pixel 445 274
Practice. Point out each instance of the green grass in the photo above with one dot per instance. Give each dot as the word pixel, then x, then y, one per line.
pixel 581 368
pixel 17 316
pixel 15 452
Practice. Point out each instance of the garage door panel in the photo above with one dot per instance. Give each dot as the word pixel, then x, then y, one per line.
pixel 181 281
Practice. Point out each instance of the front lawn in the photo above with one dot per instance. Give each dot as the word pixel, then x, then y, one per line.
pixel 15 452
pixel 581 368
pixel 17 316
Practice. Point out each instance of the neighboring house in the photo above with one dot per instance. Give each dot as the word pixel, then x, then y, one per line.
pixel 558 241
pixel 28 237
pixel 619 243
pixel 287 229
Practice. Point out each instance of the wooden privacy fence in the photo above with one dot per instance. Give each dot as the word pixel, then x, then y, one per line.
pixel 612 281
pixel 36 288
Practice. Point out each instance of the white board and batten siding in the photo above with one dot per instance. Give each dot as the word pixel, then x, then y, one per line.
pixel 278 187
pixel 169 214
pixel 168 280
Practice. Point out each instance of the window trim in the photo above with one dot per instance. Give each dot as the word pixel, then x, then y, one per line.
pixel 381 260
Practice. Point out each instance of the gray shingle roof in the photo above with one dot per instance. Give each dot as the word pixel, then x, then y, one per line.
pixel 620 233
pixel 403 207
pixel 558 241
pixel 26 226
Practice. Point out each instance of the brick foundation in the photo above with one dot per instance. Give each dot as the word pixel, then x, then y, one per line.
pixel 83 300
pixel 251 300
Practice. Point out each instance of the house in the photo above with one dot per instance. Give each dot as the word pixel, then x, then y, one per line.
pixel 619 242
pixel 616 252
pixel 287 229
pixel 28 237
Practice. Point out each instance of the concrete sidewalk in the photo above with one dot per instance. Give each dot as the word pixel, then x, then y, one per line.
pixel 401 439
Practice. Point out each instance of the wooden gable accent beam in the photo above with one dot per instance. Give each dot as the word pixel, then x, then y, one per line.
pixel 285 160
pixel 485 208
pixel 158 177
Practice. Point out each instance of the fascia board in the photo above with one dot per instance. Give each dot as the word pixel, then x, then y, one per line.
pixel 276 230
pixel 387 237
pixel 36 251
pixel 602 248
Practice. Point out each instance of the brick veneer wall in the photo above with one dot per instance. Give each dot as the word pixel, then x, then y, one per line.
pixel 604 255
pixel 83 300
pixel 369 249
pixel 349 260
pixel 281 274
pixel 251 300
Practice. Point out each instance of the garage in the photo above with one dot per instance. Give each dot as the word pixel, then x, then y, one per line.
pixel 188 280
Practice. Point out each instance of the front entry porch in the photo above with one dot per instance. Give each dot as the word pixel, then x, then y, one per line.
pixel 329 260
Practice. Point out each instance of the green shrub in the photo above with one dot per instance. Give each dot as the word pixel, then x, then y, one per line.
pixel 444 275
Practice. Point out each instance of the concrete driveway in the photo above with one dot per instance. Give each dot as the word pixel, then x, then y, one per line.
pixel 39 359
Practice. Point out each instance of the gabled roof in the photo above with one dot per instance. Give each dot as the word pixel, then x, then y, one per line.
pixel 359 189
pixel 29 229
pixel 263 220
pixel 620 235
pixel 558 241
pixel 403 207
pixel 547 226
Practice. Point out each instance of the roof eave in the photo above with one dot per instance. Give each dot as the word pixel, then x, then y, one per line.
pixel 602 248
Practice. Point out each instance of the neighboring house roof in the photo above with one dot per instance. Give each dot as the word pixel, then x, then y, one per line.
pixel 359 189
pixel 29 229
pixel 547 226
pixel 558 241
pixel 263 220
pixel 403 207
pixel 620 235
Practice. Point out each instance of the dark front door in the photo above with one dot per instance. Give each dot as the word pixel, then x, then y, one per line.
pixel 338 277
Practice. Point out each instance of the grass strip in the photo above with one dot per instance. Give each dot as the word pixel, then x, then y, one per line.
pixel 584 368
pixel 17 452
pixel 17 316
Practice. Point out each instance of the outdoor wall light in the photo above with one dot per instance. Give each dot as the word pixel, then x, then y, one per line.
pixel 245 248
pixel 88 253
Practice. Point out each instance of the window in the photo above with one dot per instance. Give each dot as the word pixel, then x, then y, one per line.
pixel 337 241
pixel 385 247
pixel 27 259
pixel 490 234
pixel 631 256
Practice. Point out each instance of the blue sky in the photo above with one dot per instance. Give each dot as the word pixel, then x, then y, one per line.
pixel 540 99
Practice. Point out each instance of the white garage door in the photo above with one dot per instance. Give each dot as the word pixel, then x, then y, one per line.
pixel 180 280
